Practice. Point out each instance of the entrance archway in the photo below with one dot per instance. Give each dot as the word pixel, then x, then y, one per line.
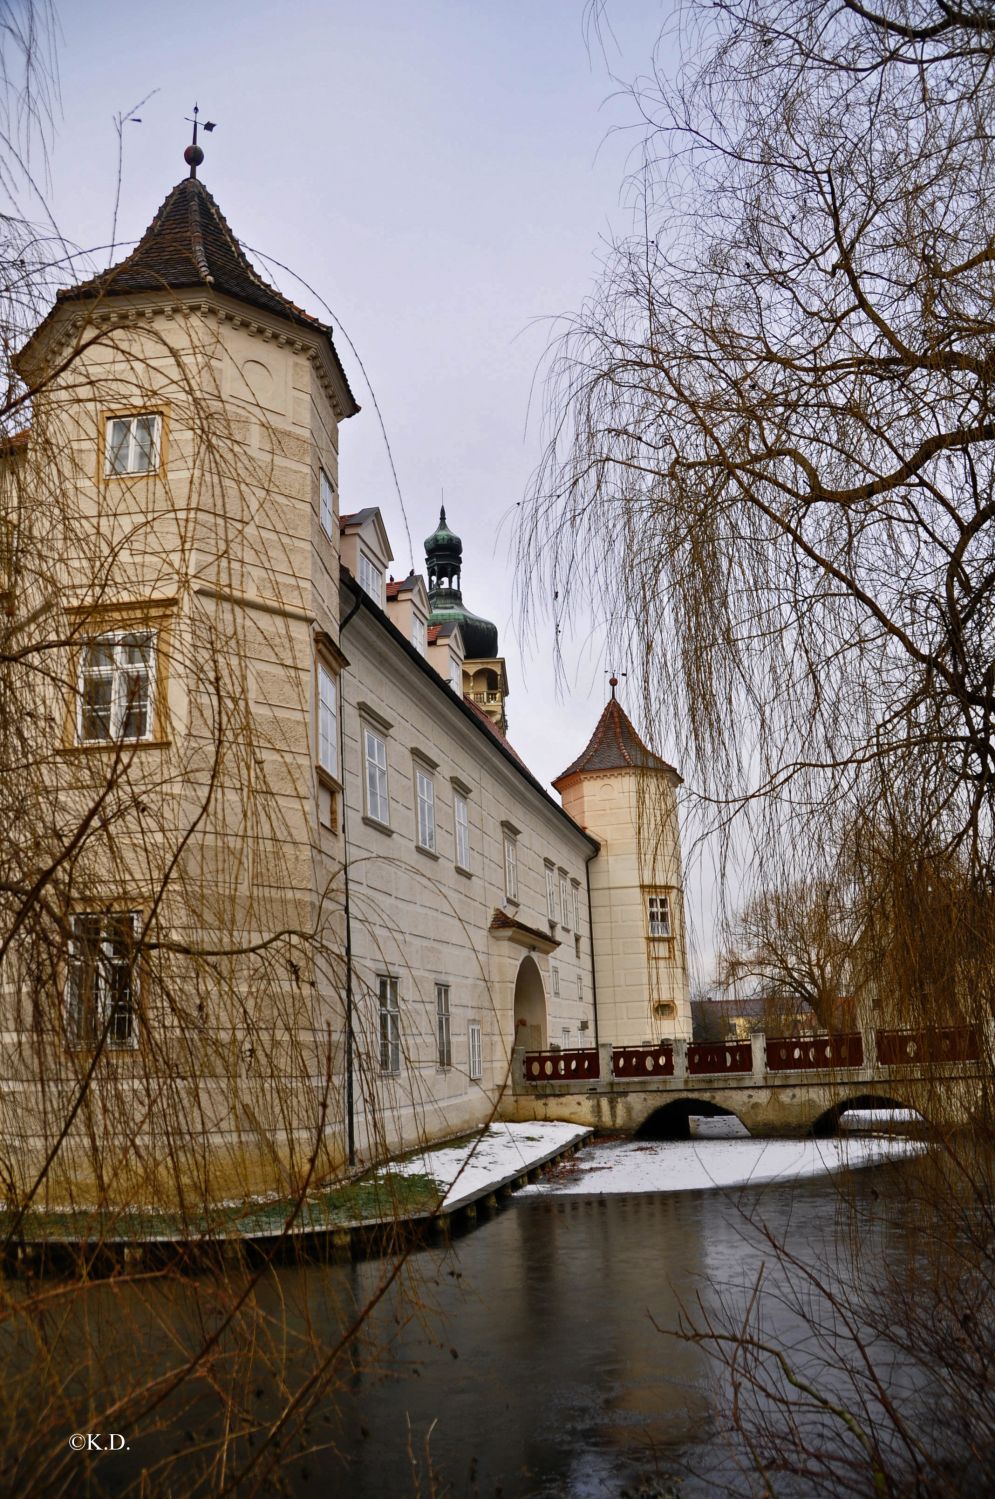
pixel 530 1007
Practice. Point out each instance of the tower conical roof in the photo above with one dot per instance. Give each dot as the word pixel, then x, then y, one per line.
pixel 189 243
pixel 614 745
pixel 442 540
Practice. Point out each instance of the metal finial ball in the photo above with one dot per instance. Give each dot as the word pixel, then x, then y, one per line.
pixel 613 681
pixel 193 156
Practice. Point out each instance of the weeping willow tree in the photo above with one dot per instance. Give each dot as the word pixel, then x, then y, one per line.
pixel 777 408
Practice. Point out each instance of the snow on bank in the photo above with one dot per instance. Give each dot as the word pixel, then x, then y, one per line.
pixel 483 1164
pixel 689 1165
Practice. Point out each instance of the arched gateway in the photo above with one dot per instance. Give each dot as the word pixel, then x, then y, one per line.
pixel 530 1007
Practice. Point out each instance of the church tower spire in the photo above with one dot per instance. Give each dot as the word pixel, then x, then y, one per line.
pixel 485 677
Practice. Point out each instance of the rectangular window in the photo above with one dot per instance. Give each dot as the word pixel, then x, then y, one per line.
pixel 575 905
pixel 550 893
pixel 370 578
pixel 565 1038
pixel 461 816
pixel 377 804
pixel 456 676
pixel 564 901
pixel 425 799
pixel 328 742
pixel 326 503
pixel 102 991
pixel 658 912
pixel 132 444
pixel 115 686
pixel 390 1024
pixel 510 867
pixel 476 1068
pixel 418 637
pixel 554 978
pixel 442 1025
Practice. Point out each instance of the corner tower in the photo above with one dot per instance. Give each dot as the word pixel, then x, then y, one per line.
pixel 485 678
pixel 625 795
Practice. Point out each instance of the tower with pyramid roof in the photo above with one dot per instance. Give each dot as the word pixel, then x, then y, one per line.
pixel 184 441
pixel 625 795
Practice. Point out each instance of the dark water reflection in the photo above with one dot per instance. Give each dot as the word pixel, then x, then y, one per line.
pixel 531 1357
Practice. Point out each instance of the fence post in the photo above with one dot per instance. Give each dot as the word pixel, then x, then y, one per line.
pixel 758 1042
pixel 869 1037
pixel 605 1060
pixel 680 1061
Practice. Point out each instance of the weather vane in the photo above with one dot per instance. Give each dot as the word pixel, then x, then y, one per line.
pixel 194 155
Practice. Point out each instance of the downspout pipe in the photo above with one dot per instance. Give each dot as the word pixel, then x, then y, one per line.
pixel 590 927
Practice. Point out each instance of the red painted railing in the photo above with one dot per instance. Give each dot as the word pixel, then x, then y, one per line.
pixel 561 1066
pixel 734 1056
pixel 957 1043
pixel 814 1053
pixel 642 1061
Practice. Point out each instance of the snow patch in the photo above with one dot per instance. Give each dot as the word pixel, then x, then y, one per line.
pixel 688 1165
pixel 487 1162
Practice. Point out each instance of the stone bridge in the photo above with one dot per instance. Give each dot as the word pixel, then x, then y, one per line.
pixel 775 1085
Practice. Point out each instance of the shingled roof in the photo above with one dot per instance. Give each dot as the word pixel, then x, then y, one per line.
pixel 614 745
pixel 189 243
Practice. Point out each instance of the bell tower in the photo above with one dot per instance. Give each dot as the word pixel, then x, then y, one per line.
pixel 485 677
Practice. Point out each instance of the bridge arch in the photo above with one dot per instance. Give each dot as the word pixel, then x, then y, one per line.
pixel 827 1123
pixel 530 1007
pixel 672 1121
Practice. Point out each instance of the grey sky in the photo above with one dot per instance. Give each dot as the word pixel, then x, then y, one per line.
pixel 444 174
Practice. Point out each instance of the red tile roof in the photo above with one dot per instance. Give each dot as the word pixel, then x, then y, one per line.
pixel 189 243
pixel 614 745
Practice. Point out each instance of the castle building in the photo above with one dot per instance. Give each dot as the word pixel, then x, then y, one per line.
pixel 311 905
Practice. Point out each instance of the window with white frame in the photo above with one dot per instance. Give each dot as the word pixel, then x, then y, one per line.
pixel 328 742
pixel 550 893
pixel 565 1038
pixel 658 915
pixel 442 1025
pixel 370 578
pixel 564 901
pixel 456 676
pixel 575 905
pixel 476 1064
pixel 102 989
pixel 418 636
pixel 461 819
pixel 425 803
pixel 510 867
pixel 554 979
pixel 375 757
pixel 115 687
pixel 132 444
pixel 326 503
pixel 390 1023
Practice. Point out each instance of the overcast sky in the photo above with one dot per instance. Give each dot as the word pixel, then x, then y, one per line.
pixel 445 174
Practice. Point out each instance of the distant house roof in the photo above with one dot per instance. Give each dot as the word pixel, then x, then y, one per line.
pixel 188 244
pixel 357 517
pixel 614 745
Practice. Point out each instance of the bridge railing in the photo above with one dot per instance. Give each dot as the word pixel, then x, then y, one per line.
pixel 730 1056
pixel 814 1053
pixel 955 1043
pixel 562 1066
pixel 642 1061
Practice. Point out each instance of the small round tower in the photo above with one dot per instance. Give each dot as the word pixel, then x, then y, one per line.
pixel 625 795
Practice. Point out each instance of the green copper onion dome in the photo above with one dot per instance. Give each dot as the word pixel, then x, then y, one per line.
pixel 443 561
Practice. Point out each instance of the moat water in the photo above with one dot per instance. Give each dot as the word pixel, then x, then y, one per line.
pixel 534 1356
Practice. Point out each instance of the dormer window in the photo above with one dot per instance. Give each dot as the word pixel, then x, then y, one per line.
pixel 456 676
pixel 370 578
pixel 132 444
